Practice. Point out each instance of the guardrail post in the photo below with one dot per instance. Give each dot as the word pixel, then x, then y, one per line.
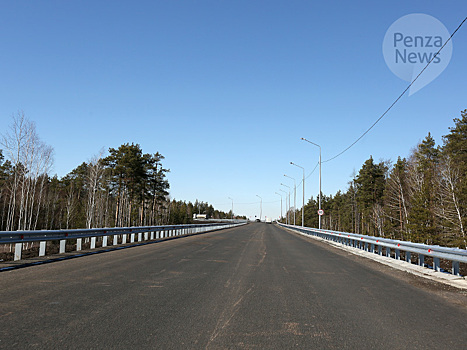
pixel 42 246
pixel 398 254
pixel 152 235
pixel 140 236
pixel 372 248
pixel 115 240
pixel 436 264
pixel 388 252
pixel 124 237
pixel 421 260
pixel 79 242
pixel 104 241
pixel 455 268
pixel 380 250
pixel 408 257
pixel 18 250
pixel 62 246
pixel 132 238
pixel 93 242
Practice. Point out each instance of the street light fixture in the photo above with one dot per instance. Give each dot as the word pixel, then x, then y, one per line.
pixel 303 195
pixel 304 139
pixel 294 197
pixel 281 202
pixel 231 215
pixel 260 207
pixel 288 219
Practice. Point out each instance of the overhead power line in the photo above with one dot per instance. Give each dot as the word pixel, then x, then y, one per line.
pixel 397 99
pixel 301 181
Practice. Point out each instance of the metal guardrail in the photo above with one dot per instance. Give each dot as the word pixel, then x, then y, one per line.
pixel 376 244
pixel 142 233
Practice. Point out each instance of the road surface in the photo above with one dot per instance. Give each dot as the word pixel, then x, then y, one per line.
pixel 253 287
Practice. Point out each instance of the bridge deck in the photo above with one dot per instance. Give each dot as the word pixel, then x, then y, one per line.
pixel 256 286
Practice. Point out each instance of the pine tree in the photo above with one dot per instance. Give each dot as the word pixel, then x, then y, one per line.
pixel 370 183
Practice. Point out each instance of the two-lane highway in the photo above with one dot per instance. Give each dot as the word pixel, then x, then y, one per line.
pixel 256 286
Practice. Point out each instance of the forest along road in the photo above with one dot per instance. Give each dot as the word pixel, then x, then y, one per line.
pixel 255 286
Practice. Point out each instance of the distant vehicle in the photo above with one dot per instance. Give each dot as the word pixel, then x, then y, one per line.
pixel 200 216
pixel 268 220
pixel 258 220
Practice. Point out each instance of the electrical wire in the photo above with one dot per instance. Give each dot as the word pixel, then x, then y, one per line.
pixel 400 96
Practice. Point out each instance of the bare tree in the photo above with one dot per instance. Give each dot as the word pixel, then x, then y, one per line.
pixel 30 159
pixel 70 204
pixel 95 175
pixel 396 198
pixel 449 209
pixel 378 218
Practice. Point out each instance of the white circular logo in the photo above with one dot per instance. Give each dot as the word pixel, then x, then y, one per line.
pixel 411 42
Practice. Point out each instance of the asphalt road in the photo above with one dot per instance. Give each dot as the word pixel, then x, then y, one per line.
pixel 253 287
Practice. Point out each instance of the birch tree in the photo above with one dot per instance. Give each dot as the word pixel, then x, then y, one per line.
pixel 30 159
pixel 94 179
pixel 450 210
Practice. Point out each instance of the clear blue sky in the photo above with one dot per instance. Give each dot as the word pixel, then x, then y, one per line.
pixel 223 89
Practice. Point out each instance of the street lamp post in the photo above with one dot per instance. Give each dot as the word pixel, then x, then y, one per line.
pixel 281 202
pixel 231 215
pixel 289 200
pixel 294 197
pixel 260 207
pixel 303 195
pixel 304 139
pixel 286 216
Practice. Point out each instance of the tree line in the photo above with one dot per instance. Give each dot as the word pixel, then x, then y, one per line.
pixel 420 198
pixel 118 188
